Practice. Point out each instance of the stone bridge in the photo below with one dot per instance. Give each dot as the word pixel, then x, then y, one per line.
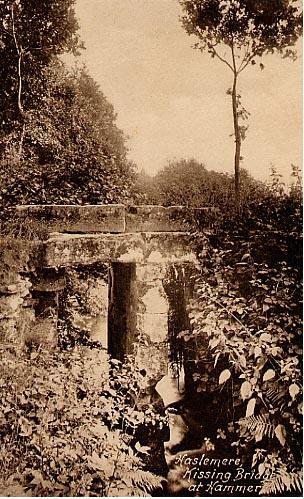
pixel 120 274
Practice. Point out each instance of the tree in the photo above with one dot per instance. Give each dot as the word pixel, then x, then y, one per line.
pixel 145 188
pixel 32 34
pixel 249 29
pixel 190 183
pixel 59 141
pixel 72 150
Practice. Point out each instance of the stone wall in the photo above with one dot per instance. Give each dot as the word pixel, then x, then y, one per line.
pixel 151 350
pixel 16 312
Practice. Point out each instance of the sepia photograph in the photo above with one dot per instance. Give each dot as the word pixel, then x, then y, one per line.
pixel 151 214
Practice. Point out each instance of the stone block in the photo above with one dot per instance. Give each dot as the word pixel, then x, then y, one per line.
pixel 151 218
pixel 149 273
pixel 166 247
pixel 75 219
pixel 153 327
pixel 145 248
pixel 75 249
pixel 154 300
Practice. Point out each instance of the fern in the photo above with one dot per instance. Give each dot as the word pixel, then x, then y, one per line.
pixel 257 426
pixel 144 480
pixel 283 481
pixel 277 397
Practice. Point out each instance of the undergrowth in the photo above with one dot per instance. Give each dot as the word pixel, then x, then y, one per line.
pixel 67 428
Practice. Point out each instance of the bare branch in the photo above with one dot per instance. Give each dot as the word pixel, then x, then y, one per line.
pixel 245 56
pixel 14 31
pixel 51 47
pixel 215 53
pixel 247 62
pixel 19 53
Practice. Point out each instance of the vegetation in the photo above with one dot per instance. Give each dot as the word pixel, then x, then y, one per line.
pixel 245 339
pixel 32 37
pixel 68 428
pixel 59 142
pixel 72 421
pixel 190 183
pixel 248 29
pixel 72 151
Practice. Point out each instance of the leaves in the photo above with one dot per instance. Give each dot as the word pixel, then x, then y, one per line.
pixel 142 449
pixel 224 376
pixel 190 183
pixel 242 361
pixel 250 407
pixel 264 32
pixel 261 350
pixel 293 390
pixel 50 423
pixel 280 433
pixel 246 390
pixel 265 337
pixel 282 481
pixel 257 427
pixel 269 374
pixel 101 463
pixel 257 351
pixel 65 146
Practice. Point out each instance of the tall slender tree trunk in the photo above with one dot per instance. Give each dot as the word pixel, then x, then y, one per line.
pixel 237 135
pixel 19 51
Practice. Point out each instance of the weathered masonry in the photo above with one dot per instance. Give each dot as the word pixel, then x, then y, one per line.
pixel 118 273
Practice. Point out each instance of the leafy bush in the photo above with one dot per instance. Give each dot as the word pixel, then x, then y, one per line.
pixel 190 183
pixel 72 150
pixel 59 431
pixel 245 338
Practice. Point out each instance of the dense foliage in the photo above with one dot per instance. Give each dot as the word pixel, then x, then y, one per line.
pixel 72 150
pixel 68 428
pixel 32 34
pixel 59 141
pixel 190 183
pixel 246 337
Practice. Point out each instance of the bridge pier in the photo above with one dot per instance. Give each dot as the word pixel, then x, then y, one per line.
pixel 122 309
pixel 139 245
pixel 151 351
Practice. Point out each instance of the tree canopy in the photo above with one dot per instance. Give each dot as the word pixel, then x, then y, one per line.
pixel 190 183
pixel 59 140
pixel 31 34
pixel 73 151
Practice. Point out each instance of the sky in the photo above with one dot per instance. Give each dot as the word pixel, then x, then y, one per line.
pixel 171 100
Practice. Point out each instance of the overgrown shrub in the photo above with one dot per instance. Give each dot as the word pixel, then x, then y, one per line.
pixel 63 428
pixel 190 183
pixel 246 338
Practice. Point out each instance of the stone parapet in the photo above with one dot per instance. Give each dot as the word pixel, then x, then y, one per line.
pixel 113 218
pixel 65 250
pixel 151 218
pixel 75 219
